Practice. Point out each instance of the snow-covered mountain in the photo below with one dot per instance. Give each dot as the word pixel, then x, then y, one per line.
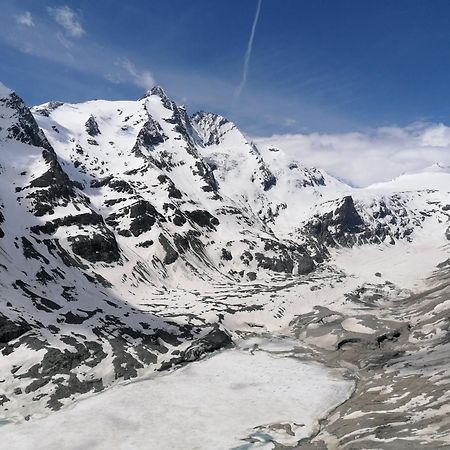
pixel 134 237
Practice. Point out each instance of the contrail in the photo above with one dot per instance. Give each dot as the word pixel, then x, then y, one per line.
pixel 248 54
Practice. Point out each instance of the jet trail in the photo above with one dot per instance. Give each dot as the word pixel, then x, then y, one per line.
pixel 248 54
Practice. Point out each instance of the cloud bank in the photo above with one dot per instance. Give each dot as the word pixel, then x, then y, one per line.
pixel 366 158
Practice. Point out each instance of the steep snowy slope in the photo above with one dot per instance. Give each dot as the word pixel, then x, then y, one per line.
pixel 63 329
pixel 140 164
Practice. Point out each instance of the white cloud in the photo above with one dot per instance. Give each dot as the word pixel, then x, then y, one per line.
pixel 25 19
pixel 141 78
pixel 68 19
pixel 366 158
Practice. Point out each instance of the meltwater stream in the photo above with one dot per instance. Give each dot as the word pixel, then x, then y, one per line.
pixel 241 398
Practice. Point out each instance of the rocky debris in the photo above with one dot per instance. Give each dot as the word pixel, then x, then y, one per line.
pixel 394 350
pixel 60 374
pixel 216 339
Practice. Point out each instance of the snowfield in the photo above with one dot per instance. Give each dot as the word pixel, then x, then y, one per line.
pixel 228 400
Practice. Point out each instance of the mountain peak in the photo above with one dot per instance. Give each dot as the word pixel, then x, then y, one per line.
pixel 156 90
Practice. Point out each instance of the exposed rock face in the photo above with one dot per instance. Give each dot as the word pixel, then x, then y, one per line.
pixel 92 127
pixel 2 219
pixel 292 259
pixel 151 134
pixel 55 187
pixel 203 218
pixel 11 330
pixel 211 126
pixel 339 226
pixel 23 126
pixel 345 225
pixel 216 339
pixel 96 248
pixel 171 255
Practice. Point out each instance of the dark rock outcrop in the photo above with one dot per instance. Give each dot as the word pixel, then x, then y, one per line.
pixel 339 226
pixel 24 128
pixel 91 126
pixel 203 218
pixel 96 247
pixel 151 135
pixel 10 330
pixel 292 259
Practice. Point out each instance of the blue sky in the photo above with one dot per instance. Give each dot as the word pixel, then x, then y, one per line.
pixel 326 66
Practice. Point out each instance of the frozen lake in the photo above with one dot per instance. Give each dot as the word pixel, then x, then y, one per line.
pixel 234 399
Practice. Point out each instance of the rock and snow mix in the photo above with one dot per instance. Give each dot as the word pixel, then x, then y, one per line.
pixel 135 238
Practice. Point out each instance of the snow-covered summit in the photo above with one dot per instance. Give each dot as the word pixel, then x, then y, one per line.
pixel 434 177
